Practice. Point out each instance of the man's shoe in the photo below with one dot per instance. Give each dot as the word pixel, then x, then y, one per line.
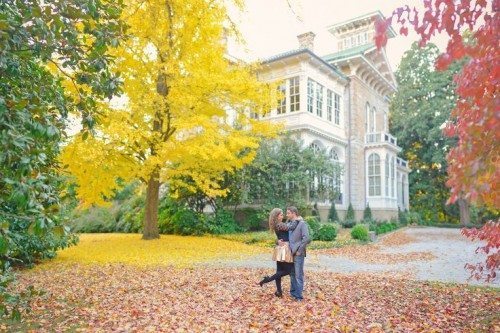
pixel 297 299
pixel 278 294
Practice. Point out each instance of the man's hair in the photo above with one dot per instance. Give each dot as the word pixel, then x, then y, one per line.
pixel 293 209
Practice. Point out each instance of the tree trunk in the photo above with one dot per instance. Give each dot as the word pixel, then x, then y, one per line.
pixel 464 208
pixel 151 214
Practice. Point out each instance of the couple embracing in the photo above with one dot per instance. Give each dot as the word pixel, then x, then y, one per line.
pixel 289 254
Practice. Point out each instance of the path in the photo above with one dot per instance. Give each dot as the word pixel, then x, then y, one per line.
pixel 432 254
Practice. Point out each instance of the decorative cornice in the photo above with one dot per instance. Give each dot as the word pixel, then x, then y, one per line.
pixel 317 132
pixel 312 55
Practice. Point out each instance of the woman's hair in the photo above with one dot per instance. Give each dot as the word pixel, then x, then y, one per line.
pixel 272 218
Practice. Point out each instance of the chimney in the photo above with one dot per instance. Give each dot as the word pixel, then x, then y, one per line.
pixel 306 40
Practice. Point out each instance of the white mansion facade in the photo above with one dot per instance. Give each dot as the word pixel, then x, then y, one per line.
pixel 340 103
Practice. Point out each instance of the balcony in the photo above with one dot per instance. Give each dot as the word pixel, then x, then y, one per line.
pixel 381 137
pixel 401 163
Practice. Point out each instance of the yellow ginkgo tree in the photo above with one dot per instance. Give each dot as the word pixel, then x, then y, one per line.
pixel 187 108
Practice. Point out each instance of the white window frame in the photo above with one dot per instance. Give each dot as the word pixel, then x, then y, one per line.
pixel 337 108
pixel 329 104
pixel 310 95
pixel 294 92
pixel 374 186
pixel 319 100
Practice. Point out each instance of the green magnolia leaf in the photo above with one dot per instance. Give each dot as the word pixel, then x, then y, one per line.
pixel 3 245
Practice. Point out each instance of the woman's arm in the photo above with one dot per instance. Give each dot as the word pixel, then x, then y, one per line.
pixel 281 226
pixel 288 226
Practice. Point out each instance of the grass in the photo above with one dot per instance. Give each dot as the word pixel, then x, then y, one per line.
pixel 178 251
pixel 267 239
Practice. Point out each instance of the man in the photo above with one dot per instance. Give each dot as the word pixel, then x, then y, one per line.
pixel 299 238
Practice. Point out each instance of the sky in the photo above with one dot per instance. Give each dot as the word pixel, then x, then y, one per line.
pixel 271 27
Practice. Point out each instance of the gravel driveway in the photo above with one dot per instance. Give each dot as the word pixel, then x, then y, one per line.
pixel 432 254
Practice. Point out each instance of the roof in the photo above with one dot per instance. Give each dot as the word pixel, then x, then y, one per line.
pixel 361 49
pixel 293 53
pixel 377 13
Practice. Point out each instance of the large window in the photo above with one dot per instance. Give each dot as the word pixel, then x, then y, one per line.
pixel 374 175
pixel 315 184
pixel 337 179
pixel 282 98
pixel 393 180
pixel 337 109
pixel 329 104
pixel 294 94
pixel 386 172
pixel 319 99
pixel 310 95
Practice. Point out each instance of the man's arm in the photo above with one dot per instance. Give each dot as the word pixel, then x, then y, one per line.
pixel 305 239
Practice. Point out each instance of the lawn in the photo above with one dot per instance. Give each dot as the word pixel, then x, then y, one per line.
pixel 117 282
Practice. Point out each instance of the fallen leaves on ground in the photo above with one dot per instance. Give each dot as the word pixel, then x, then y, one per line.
pixel 374 253
pixel 129 298
pixel 179 251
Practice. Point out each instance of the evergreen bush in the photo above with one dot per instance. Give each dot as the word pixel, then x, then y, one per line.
pixel 367 214
pixel 350 220
pixel 333 216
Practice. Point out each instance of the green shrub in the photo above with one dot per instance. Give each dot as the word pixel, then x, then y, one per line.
pixel 130 216
pixel 188 222
pixel 360 232
pixel 327 232
pixel 313 224
pixel 402 218
pixel 367 213
pixel 350 213
pixel 350 220
pixel 222 222
pixel 348 223
pixel 94 219
pixel 250 219
pixel 413 218
pixel 333 216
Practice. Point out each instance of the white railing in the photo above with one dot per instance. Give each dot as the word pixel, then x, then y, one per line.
pixel 401 162
pixel 381 137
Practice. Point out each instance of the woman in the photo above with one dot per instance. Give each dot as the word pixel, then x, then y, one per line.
pixel 282 268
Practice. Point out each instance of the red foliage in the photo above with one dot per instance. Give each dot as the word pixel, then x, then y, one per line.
pixel 490 233
pixel 474 165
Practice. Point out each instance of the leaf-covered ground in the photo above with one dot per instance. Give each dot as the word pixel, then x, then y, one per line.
pixel 184 295
pixel 373 253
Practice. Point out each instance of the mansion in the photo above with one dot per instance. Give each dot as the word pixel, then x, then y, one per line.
pixel 339 103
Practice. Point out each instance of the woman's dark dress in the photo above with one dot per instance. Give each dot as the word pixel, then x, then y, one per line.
pixel 282 268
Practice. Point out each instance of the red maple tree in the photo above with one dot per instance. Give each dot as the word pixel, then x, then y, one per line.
pixel 474 164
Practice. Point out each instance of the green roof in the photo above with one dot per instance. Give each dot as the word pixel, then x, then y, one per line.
pixel 311 53
pixel 348 52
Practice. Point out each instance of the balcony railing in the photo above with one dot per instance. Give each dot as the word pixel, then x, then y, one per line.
pixel 381 137
pixel 401 162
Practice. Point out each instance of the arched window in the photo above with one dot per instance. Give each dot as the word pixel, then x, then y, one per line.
pixel 373 113
pixel 374 175
pixel 367 117
pixel 315 179
pixel 387 176
pixel 392 176
pixel 333 155
pixel 315 147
